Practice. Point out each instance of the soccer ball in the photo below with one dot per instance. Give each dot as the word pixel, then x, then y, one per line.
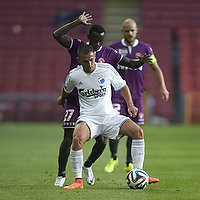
pixel 137 179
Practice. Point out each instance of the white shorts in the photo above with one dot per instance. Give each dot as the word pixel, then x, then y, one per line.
pixel 106 126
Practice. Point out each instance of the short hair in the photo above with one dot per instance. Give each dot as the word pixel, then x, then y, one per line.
pixel 85 49
pixel 97 28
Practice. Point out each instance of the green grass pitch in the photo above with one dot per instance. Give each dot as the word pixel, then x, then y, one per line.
pixel 28 165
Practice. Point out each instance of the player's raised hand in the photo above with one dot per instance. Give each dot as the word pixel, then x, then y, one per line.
pixel 145 58
pixel 85 18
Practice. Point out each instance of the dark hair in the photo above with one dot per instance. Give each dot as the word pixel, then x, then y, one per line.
pixel 97 28
pixel 85 49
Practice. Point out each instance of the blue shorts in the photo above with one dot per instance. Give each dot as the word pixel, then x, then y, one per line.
pixel 122 109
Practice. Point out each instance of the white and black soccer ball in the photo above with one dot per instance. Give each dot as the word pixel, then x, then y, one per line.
pixel 137 179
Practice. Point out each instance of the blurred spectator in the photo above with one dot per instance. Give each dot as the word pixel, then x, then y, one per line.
pixel 79 10
pixel 62 16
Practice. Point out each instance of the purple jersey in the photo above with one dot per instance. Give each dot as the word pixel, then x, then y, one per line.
pixel 135 78
pixel 104 54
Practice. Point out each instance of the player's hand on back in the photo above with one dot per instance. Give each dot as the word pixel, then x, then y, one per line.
pixel 61 101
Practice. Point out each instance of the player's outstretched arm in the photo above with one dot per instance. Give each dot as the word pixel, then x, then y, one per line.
pixel 60 33
pixel 145 58
pixel 133 64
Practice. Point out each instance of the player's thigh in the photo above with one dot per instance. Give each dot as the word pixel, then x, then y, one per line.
pixel 81 132
pixel 131 129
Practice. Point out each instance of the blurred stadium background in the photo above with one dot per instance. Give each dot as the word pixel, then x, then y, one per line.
pixel 33 66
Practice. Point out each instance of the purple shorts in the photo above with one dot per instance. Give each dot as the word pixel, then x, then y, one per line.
pixel 122 109
pixel 71 114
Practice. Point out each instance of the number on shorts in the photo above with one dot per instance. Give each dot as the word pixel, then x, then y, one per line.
pixel 117 106
pixel 68 114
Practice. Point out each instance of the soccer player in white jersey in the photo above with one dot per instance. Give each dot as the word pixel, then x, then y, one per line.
pixel 97 115
pixel 105 54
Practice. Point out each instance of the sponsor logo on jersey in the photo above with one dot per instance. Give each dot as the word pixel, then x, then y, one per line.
pixel 93 92
pixel 123 52
pixel 127 68
pixel 80 83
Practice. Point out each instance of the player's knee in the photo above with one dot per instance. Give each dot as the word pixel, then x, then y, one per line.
pixel 101 142
pixel 139 134
pixel 67 141
pixel 78 142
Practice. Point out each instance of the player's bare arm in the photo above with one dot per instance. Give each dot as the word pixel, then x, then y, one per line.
pixel 161 80
pixel 133 64
pixel 62 97
pixel 60 34
pixel 132 110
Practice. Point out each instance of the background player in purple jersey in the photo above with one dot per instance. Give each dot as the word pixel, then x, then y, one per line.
pixel 103 54
pixel 130 46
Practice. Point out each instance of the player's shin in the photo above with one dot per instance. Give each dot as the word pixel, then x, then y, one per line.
pixel 77 163
pixel 138 151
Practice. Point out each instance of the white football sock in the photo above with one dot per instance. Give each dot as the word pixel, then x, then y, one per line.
pixel 137 150
pixel 77 162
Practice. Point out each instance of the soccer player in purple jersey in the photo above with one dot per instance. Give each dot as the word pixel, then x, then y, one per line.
pixel 103 54
pixel 131 47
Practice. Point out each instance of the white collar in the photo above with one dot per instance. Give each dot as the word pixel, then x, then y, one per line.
pixel 134 45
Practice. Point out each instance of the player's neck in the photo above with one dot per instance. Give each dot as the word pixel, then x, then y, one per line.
pixel 129 43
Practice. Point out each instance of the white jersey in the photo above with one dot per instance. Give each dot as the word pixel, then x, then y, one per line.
pixel 94 89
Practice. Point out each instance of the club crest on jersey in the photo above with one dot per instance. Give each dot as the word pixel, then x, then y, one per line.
pixel 101 80
pixel 138 54
pixel 101 60
pixel 141 115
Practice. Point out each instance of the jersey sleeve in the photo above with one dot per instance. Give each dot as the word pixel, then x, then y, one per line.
pixel 116 80
pixel 69 86
pixel 149 50
pixel 75 44
pixel 114 57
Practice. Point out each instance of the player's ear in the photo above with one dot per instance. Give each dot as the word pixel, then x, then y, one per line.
pixel 78 59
